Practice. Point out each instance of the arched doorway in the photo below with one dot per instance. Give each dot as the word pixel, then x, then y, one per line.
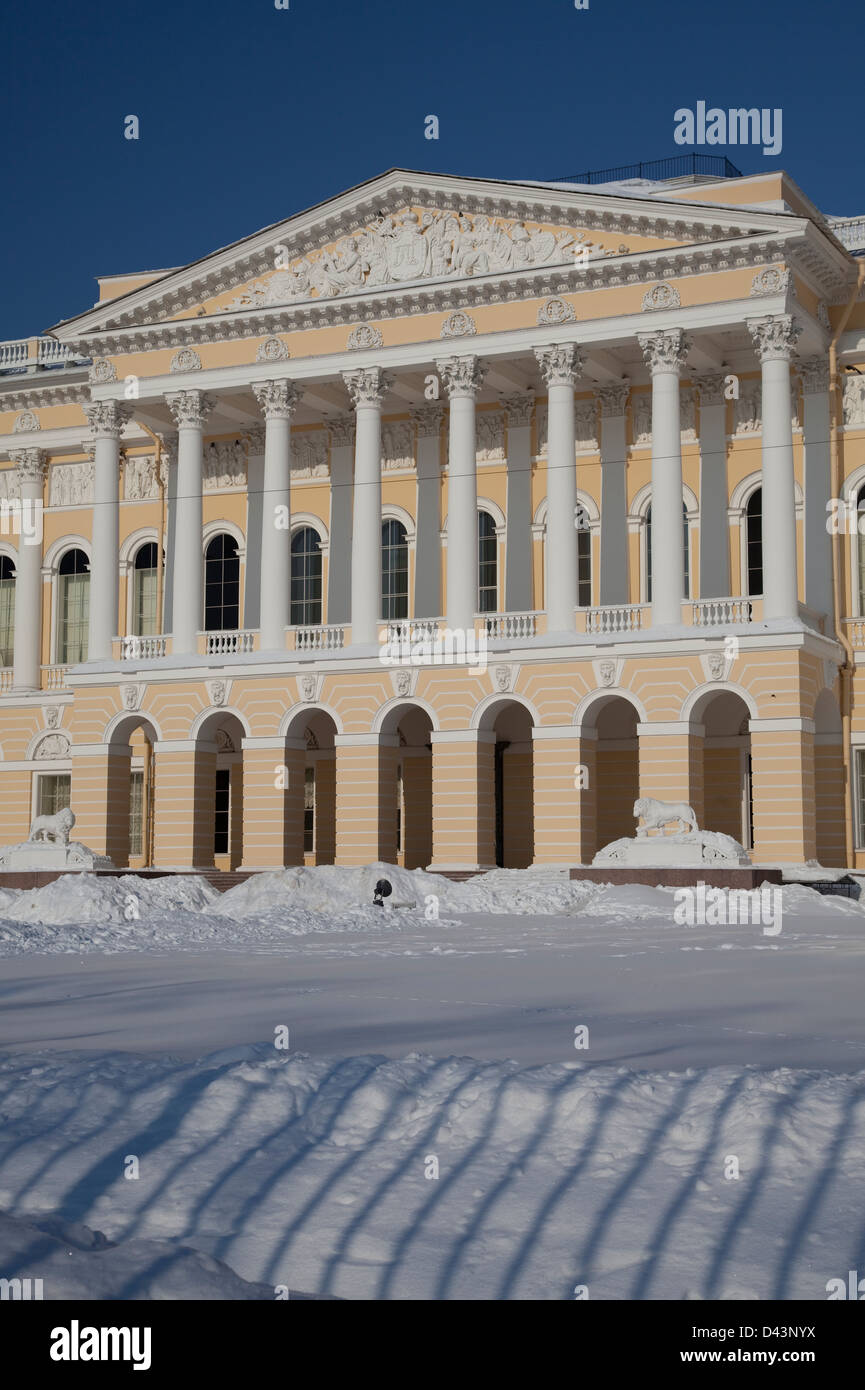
pixel 617 768
pixel 218 791
pixel 310 792
pixel 405 786
pixel 131 794
pixel 511 796
pixel 727 790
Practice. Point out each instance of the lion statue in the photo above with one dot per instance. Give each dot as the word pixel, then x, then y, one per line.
pixel 53 828
pixel 656 814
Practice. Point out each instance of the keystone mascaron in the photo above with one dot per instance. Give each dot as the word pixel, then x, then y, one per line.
pixel 588 432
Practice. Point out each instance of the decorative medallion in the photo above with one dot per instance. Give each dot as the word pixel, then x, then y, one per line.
pixel 186 360
pixel 555 311
pixel 458 325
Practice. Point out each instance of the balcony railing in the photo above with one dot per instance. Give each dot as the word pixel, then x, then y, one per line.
pixel 143 648
pixel 34 354
pixel 6 674
pixel 512 626
pixel 718 612
pixel 855 632
pixel 850 231
pixel 54 677
pixel 229 643
pixel 623 617
pixel 411 630
pixel 328 637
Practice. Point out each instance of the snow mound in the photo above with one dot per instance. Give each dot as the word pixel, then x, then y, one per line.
pixel 77 898
pixel 73 1261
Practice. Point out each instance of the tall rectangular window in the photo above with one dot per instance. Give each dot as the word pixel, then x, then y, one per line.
pixel 7 611
pixel 860 796
pixel 53 793
pixel 136 813
pixel 222 811
pixel 309 811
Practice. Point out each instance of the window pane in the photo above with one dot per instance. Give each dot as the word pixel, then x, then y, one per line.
pixel 754 544
pixel 73 618
pixel 222 585
pixel 136 810
pixel 306 577
pixel 53 793
pixel 488 587
pixel 309 810
pixel 394 570
pixel 222 811
pixel 7 616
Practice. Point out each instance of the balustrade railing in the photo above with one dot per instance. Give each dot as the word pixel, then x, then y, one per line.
pixel 230 643
pixel 718 612
pixel 617 617
pixel 327 637
pixel 510 625
pixel 54 677
pixel 143 648
pixel 33 354
pixel 6 674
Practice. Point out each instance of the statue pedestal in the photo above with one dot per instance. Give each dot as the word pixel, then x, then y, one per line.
pixel 45 854
pixel 693 850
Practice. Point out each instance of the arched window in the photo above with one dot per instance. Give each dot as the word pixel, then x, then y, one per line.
pixel 687 540
pixel 754 544
pixel 221 585
pixel 488 576
pixel 145 579
pixel 584 558
pixel 305 577
pixel 73 607
pixel 394 570
pixel 860 532
pixel 7 611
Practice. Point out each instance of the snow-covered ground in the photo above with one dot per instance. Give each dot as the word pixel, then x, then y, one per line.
pixel 139 1020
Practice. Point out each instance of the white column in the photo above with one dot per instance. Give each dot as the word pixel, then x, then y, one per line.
pixel 560 366
pixel 814 372
pixel 463 378
pixel 30 477
pixel 519 597
pixel 278 401
pixel 714 530
pixel 428 549
pixel 774 340
pixel 339 568
pixel 367 388
pixel 665 355
pixel 613 398
pixel 189 410
pixel 107 419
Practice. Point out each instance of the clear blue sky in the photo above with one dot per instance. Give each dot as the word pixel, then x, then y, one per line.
pixel 248 113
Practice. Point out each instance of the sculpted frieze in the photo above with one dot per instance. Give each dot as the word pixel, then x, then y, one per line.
pixel 432 244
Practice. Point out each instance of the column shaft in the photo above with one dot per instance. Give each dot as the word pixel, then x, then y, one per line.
pixel 278 400
pixel 367 388
pixel 560 366
pixel 665 354
pixel 463 377
pixel 774 340
pixel 190 409
pixel 107 419
pixel 30 474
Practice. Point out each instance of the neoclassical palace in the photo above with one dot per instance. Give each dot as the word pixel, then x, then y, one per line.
pixel 438 523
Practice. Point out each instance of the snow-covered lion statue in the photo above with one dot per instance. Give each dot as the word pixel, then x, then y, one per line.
pixel 56 828
pixel 656 814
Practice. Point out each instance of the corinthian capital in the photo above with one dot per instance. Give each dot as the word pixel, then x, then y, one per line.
pixel 30 465
pixel 665 352
pixel 278 399
pixel 519 405
pixel 613 397
pixel 341 430
pixel 428 419
pixel 560 364
pixel 189 408
pixel 368 385
pixel 710 386
pixel 107 418
pixel 462 376
pixel 774 338
pixel 814 372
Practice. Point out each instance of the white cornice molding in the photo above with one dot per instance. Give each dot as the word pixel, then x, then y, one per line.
pixel 422 297
pixel 319 226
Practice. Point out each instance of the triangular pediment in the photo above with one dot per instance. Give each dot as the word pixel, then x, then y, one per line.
pixel 403 229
